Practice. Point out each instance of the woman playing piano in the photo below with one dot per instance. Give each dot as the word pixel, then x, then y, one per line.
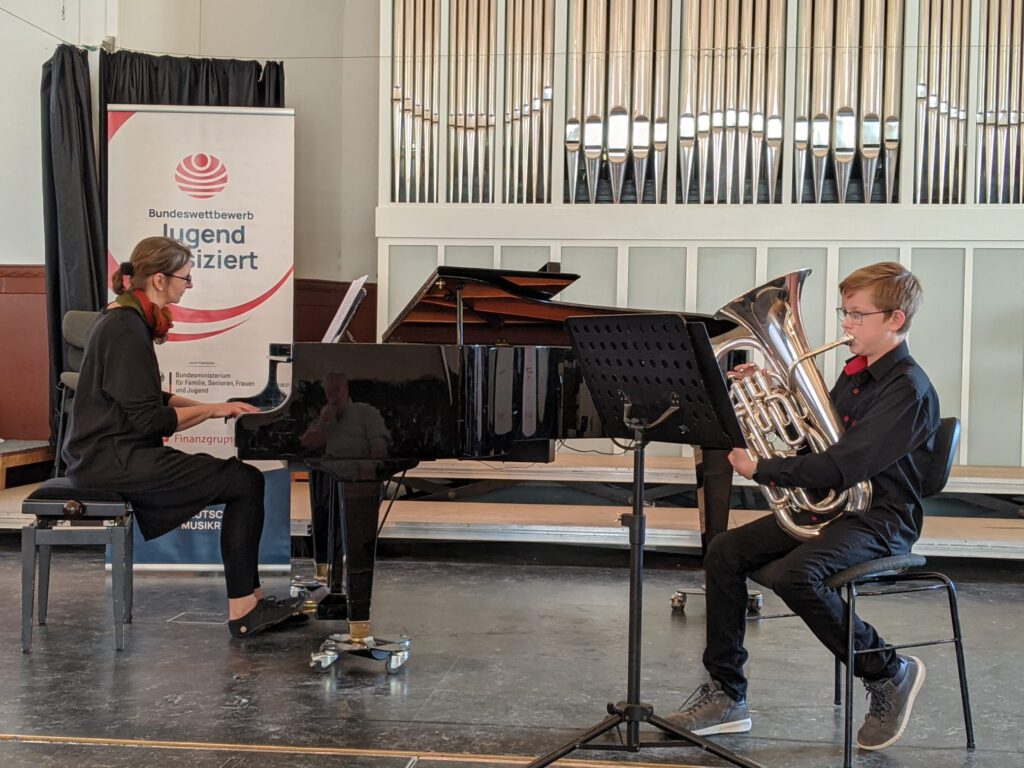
pixel 121 417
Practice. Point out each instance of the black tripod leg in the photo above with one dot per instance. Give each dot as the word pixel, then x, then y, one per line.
pixel 700 741
pixel 612 721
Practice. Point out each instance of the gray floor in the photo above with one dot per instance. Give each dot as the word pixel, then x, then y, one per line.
pixel 508 661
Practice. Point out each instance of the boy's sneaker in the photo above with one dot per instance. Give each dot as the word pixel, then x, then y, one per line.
pixel 890 702
pixel 710 710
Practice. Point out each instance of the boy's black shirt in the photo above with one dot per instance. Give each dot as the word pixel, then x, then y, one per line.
pixel 891 413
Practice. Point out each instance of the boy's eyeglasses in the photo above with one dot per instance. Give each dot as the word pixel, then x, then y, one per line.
pixel 858 317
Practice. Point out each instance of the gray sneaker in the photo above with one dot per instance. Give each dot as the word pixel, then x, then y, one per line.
pixel 709 710
pixel 890 702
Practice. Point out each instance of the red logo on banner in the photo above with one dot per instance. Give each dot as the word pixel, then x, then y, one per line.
pixel 201 175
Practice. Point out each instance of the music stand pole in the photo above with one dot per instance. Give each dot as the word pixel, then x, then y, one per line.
pixel 676 425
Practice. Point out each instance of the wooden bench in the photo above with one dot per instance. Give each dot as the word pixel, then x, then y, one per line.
pixel 20 453
pixel 678 470
pixel 670 527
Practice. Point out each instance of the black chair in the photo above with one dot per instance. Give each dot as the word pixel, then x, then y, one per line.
pixel 55 501
pixel 891 576
pixel 75 329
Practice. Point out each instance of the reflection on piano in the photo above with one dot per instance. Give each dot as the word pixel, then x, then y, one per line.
pixel 477 366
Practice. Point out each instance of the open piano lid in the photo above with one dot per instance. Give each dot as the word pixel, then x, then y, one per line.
pixel 500 306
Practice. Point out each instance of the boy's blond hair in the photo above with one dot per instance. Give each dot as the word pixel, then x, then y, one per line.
pixel 892 285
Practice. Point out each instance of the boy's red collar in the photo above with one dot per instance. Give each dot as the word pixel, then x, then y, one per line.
pixel 855 365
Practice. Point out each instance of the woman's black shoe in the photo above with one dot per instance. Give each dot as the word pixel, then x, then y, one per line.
pixel 267 613
pixel 298 619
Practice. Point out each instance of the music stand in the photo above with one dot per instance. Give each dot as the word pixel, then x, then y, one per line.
pixel 653 377
pixel 338 328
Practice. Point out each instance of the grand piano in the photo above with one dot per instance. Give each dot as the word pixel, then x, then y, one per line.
pixel 476 366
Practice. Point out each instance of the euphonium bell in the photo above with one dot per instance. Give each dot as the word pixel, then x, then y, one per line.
pixel 785 407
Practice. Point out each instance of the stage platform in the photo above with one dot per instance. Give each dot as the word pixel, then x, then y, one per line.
pixel 962 526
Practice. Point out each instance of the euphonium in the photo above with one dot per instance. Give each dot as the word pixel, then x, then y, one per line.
pixel 785 406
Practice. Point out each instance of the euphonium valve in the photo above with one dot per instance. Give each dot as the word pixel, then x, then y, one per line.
pixel 785 408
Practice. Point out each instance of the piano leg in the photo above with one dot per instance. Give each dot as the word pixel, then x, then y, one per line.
pixel 321 494
pixel 349 546
pixel 345 547
pixel 352 564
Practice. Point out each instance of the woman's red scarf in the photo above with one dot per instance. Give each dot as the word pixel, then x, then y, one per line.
pixel 157 318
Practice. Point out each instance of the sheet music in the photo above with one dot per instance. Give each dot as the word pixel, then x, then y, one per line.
pixel 346 310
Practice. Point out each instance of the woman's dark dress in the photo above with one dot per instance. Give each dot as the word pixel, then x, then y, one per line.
pixel 118 425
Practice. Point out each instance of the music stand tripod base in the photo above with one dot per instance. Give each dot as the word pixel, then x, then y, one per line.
pixel 652 377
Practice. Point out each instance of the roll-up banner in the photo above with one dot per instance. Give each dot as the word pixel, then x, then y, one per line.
pixel 221 181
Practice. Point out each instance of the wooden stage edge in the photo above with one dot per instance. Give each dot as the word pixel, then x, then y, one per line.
pixel 669 528
pixel 673 529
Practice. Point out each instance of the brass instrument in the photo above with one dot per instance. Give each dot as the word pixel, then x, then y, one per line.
pixel 785 407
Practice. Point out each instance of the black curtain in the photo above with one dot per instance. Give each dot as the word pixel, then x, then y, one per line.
pixel 127 77
pixel 72 221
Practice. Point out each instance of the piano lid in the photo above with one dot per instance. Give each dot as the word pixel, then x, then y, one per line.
pixel 500 306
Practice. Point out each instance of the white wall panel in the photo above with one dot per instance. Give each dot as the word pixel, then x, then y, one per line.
pixel 852 259
pixel 936 336
pixel 657 278
pixel 408 267
pixel 469 256
pixel 722 275
pixel 596 267
pixel 525 257
pixel 997 357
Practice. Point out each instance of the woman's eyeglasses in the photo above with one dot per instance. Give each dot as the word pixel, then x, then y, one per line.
pixel 186 278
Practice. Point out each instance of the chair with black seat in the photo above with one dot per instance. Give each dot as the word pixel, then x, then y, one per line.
pixel 892 576
pixel 74 329
pixel 55 502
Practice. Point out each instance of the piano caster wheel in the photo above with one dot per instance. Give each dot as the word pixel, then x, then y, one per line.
pixel 322 659
pixel 678 602
pixel 394 654
pixel 755 602
pixel 396 661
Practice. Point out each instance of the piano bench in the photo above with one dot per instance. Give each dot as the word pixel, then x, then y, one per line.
pixel 56 501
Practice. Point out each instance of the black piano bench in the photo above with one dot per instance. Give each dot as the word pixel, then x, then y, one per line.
pixel 55 501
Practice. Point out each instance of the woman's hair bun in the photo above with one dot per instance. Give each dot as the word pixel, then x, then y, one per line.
pixel 127 269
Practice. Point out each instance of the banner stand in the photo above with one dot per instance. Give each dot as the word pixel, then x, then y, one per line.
pixel 220 180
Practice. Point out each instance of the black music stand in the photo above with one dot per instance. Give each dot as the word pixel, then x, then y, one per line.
pixel 653 377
